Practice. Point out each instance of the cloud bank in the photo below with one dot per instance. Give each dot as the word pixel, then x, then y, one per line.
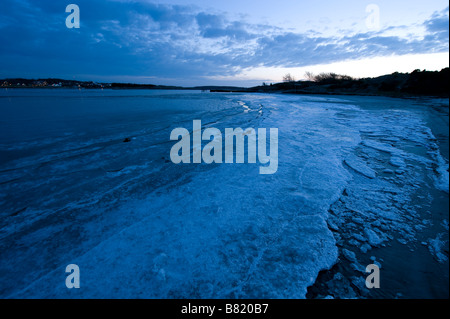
pixel 155 42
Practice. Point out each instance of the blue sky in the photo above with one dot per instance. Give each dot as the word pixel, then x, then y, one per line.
pixel 233 42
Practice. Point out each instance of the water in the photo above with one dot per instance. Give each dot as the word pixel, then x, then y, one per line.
pixel 139 226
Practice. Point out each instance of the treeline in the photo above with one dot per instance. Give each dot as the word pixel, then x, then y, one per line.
pixel 429 83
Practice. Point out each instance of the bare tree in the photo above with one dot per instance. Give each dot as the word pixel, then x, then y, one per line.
pixel 331 77
pixel 288 78
pixel 310 76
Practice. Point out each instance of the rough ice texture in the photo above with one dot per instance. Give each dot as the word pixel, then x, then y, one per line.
pixel 360 167
pixel 140 226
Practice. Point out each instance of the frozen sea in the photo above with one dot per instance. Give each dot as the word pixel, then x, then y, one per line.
pixel 360 180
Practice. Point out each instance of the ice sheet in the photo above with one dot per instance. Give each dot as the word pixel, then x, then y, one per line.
pixel 140 226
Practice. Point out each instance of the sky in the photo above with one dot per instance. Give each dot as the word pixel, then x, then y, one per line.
pixel 228 42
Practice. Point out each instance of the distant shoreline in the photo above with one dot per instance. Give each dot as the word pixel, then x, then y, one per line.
pixel 401 85
pixel 334 93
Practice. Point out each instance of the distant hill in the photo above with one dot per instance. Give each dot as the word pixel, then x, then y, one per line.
pixel 430 83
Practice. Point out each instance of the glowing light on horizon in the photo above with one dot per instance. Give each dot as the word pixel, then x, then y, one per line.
pixel 369 67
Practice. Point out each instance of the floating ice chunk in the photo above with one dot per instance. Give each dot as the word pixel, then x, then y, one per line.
pixel 442 180
pixel 436 248
pixel 349 255
pixel 353 242
pixel 359 237
pixel 397 161
pixel 381 146
pixel 358 267
pixel 372 237
pixel 365 248
pixel 360 167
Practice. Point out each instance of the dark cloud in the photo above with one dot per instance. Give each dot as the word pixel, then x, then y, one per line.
pixel 438 21
pixel 164 41
pixel 438 28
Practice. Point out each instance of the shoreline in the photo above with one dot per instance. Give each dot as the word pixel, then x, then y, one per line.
pixel 416 83
pixel 246 91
